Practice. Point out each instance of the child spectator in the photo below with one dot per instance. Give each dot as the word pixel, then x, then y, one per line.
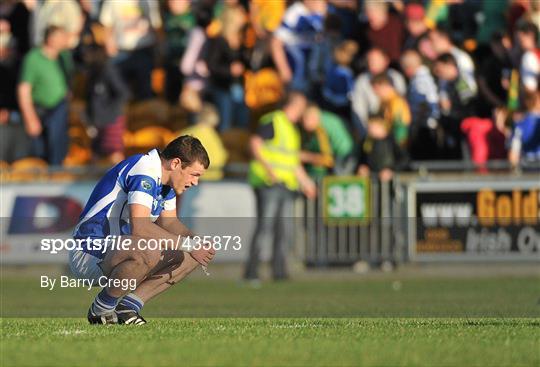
pixel 394 109
pixel 365 103
pixel 456 97
pixel 339 80
pixel 442 43
pixel 423 100
pixel 527 36
pixel 106 96
pixel 329 145
pixel 380 153
pixel 525 142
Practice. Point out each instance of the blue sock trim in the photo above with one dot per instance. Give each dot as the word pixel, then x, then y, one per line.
pixel 105 299
pixel 132 302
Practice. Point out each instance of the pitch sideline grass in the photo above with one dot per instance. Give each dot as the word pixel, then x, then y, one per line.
pixel 372 322
pixel 267 341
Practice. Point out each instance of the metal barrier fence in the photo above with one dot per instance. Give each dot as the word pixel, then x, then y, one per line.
pixel 435 217
pixel 345 243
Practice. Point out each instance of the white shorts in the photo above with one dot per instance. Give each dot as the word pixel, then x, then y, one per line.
pixel 84 265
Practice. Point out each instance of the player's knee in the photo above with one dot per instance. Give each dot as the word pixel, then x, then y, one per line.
pixel 148 258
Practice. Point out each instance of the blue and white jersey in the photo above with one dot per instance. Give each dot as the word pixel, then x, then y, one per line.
pixel 136 180
pixel 299 26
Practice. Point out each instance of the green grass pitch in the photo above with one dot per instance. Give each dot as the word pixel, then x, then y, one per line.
pixel 210 322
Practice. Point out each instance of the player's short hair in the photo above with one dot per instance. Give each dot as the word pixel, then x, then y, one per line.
pixel 188 149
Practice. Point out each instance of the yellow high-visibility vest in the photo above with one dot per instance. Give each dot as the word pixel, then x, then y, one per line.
pixel 282 153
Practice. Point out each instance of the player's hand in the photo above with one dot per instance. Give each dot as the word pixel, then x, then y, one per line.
pixel 204 256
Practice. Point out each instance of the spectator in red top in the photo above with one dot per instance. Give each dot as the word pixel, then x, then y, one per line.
pixel 385 30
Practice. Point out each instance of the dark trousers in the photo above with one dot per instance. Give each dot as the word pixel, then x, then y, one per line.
pixel 136 69
pixel 274 223
pixel 14 142
pixel 52 144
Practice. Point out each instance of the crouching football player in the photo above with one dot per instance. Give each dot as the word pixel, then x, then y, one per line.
pixel 136 199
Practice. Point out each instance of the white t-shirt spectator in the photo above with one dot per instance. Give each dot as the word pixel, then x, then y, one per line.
pixel 132 21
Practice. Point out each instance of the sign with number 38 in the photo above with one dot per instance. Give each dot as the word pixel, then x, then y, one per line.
pixel 346 200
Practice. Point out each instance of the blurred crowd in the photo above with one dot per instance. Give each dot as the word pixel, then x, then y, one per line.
pixel 386 82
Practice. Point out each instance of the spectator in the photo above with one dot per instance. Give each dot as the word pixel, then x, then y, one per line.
pixel 494 72
pixel 226 63
pixel 525 142
pixel 347 13
pixel 385 30
pixel 380 154
pixel 456 99
pixel 339 80
pixel 364 101
pixel 192 65
pixel 205 130
pixel 293 42
pixel 265 16
pixel 485 140
pixel 178 21
pixel 415 24
pixel 423 100
pixel 527 36
pixel 65 14
pixel 492 22
pixel 427 50
pixel 535 13
pixel 463 18
pixel 329 145
pixel 42 93
pixel 440 39
pixel 131 26
pixel 14 141
pixel 394 108
pixel 18 14
pixel 275 174
pixel 106 97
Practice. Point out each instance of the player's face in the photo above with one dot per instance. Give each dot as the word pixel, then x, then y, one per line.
pixel 183 178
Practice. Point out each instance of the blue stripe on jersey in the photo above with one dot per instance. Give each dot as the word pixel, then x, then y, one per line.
pixel 134 180
pixel 107 183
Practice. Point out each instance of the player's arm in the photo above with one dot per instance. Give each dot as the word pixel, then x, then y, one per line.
pixel 142 225
pixel 169 221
